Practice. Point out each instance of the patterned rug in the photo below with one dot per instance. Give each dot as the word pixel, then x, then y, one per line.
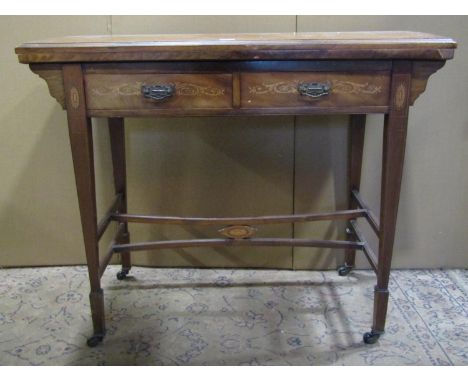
pixel 232 317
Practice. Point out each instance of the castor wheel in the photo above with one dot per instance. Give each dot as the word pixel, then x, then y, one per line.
pixel 371 337
pixel 344 270
pixel 122 275
pixel 95 340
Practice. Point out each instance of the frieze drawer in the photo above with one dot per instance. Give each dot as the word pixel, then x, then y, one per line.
pixel 320 90
pixel 158 91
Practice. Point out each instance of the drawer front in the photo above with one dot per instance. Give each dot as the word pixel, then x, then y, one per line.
pixel 187 91
pixel 321 90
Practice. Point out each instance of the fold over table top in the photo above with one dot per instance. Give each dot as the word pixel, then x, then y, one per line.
pixel 261 46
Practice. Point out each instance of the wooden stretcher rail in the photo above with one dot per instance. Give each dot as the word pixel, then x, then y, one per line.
pixel 271 242
pixel 297 218
pixel 368 252
pixel 371 218
pixel 105 221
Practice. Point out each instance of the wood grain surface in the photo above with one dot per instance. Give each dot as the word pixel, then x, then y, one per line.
pixel 281 89
pixel 319 45
pixel 192 91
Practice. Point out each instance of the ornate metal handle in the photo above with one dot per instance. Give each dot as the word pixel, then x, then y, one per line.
pixel 313 89
pixel 158 92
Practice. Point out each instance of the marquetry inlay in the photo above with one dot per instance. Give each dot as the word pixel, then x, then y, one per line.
pixel 238 231
pixel 186 89
pixel 74 98
pixel 336 86
pixel 182 89
pixel 400 96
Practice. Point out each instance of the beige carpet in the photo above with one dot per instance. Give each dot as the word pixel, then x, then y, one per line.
pixel 232 317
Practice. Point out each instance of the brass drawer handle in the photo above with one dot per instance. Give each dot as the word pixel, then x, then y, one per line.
pixel 313 89
pixel 158 92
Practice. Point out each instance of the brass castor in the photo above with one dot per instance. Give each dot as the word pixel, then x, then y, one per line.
pixel 95 340
pixel 122 275
pixel 344 270
pixel 371 337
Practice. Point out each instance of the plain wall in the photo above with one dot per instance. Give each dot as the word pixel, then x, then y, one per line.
pixel 230 166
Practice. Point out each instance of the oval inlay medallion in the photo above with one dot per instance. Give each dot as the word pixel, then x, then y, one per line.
pixel 400 96
pixel 238 231
pixel 74 98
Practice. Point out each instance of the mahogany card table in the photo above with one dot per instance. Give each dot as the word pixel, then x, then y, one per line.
pixel 353 73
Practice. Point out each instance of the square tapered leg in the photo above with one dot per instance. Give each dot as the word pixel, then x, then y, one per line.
pixel 117 142
pixel 81 141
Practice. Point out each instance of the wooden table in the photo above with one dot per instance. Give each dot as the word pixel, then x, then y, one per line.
pixel 354 73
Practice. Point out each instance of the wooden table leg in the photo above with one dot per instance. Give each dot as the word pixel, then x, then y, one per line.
pixel 117 142
pixel 394 141
pixel 356 132
pixel 81 141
